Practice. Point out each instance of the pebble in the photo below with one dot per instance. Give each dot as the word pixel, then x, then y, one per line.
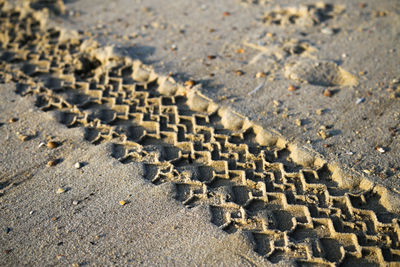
pixel 360 100
pixel 78 165
pixel 239 51
pixel 12 120
pixel 52 144
pixel 22 137
pixel 52 163
pixel 292 88
pixel 261 75
pixel 190 83
pixel 75 202
pixel 239 72
pixel 327 31
pixel 122 202
pixel 60 190
pixel 42 144
pixel 298 122
pixel 327 93
pixel 323 133
pixel 319 112
pixel 380 149
pixel 7 230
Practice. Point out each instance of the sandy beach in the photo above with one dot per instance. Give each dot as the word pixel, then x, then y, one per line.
pixel 199 133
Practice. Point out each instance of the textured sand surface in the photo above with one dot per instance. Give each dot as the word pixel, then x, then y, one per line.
pixel 146 143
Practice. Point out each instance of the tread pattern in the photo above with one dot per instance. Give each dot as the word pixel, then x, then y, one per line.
pixel 287 210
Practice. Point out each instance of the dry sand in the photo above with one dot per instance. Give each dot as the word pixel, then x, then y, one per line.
pixel 277 123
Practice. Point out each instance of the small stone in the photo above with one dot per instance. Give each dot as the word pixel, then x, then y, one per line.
pixel 75 264
pixel 52 163
pixel 269 34
pixel 211 57
pixel 122 202
pixel 226 14
pixel 42 144
pixel 75 202
pixel 319 112
pixel 12 120
pixel 323 133
pixel 52 144
pixel 190 83
pixel 298 122
pixel 60 190
pixel 7 230
pixel 360 100
pixel 239 72
pixel 292 88
pixel 327 31
pixel 327 93
pixel 240 51
pixel 22 137
pixel 78 165
pixel 276 103
pixel 380 149
pixel 261 75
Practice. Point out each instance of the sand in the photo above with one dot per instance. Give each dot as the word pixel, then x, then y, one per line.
pixel 247 187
